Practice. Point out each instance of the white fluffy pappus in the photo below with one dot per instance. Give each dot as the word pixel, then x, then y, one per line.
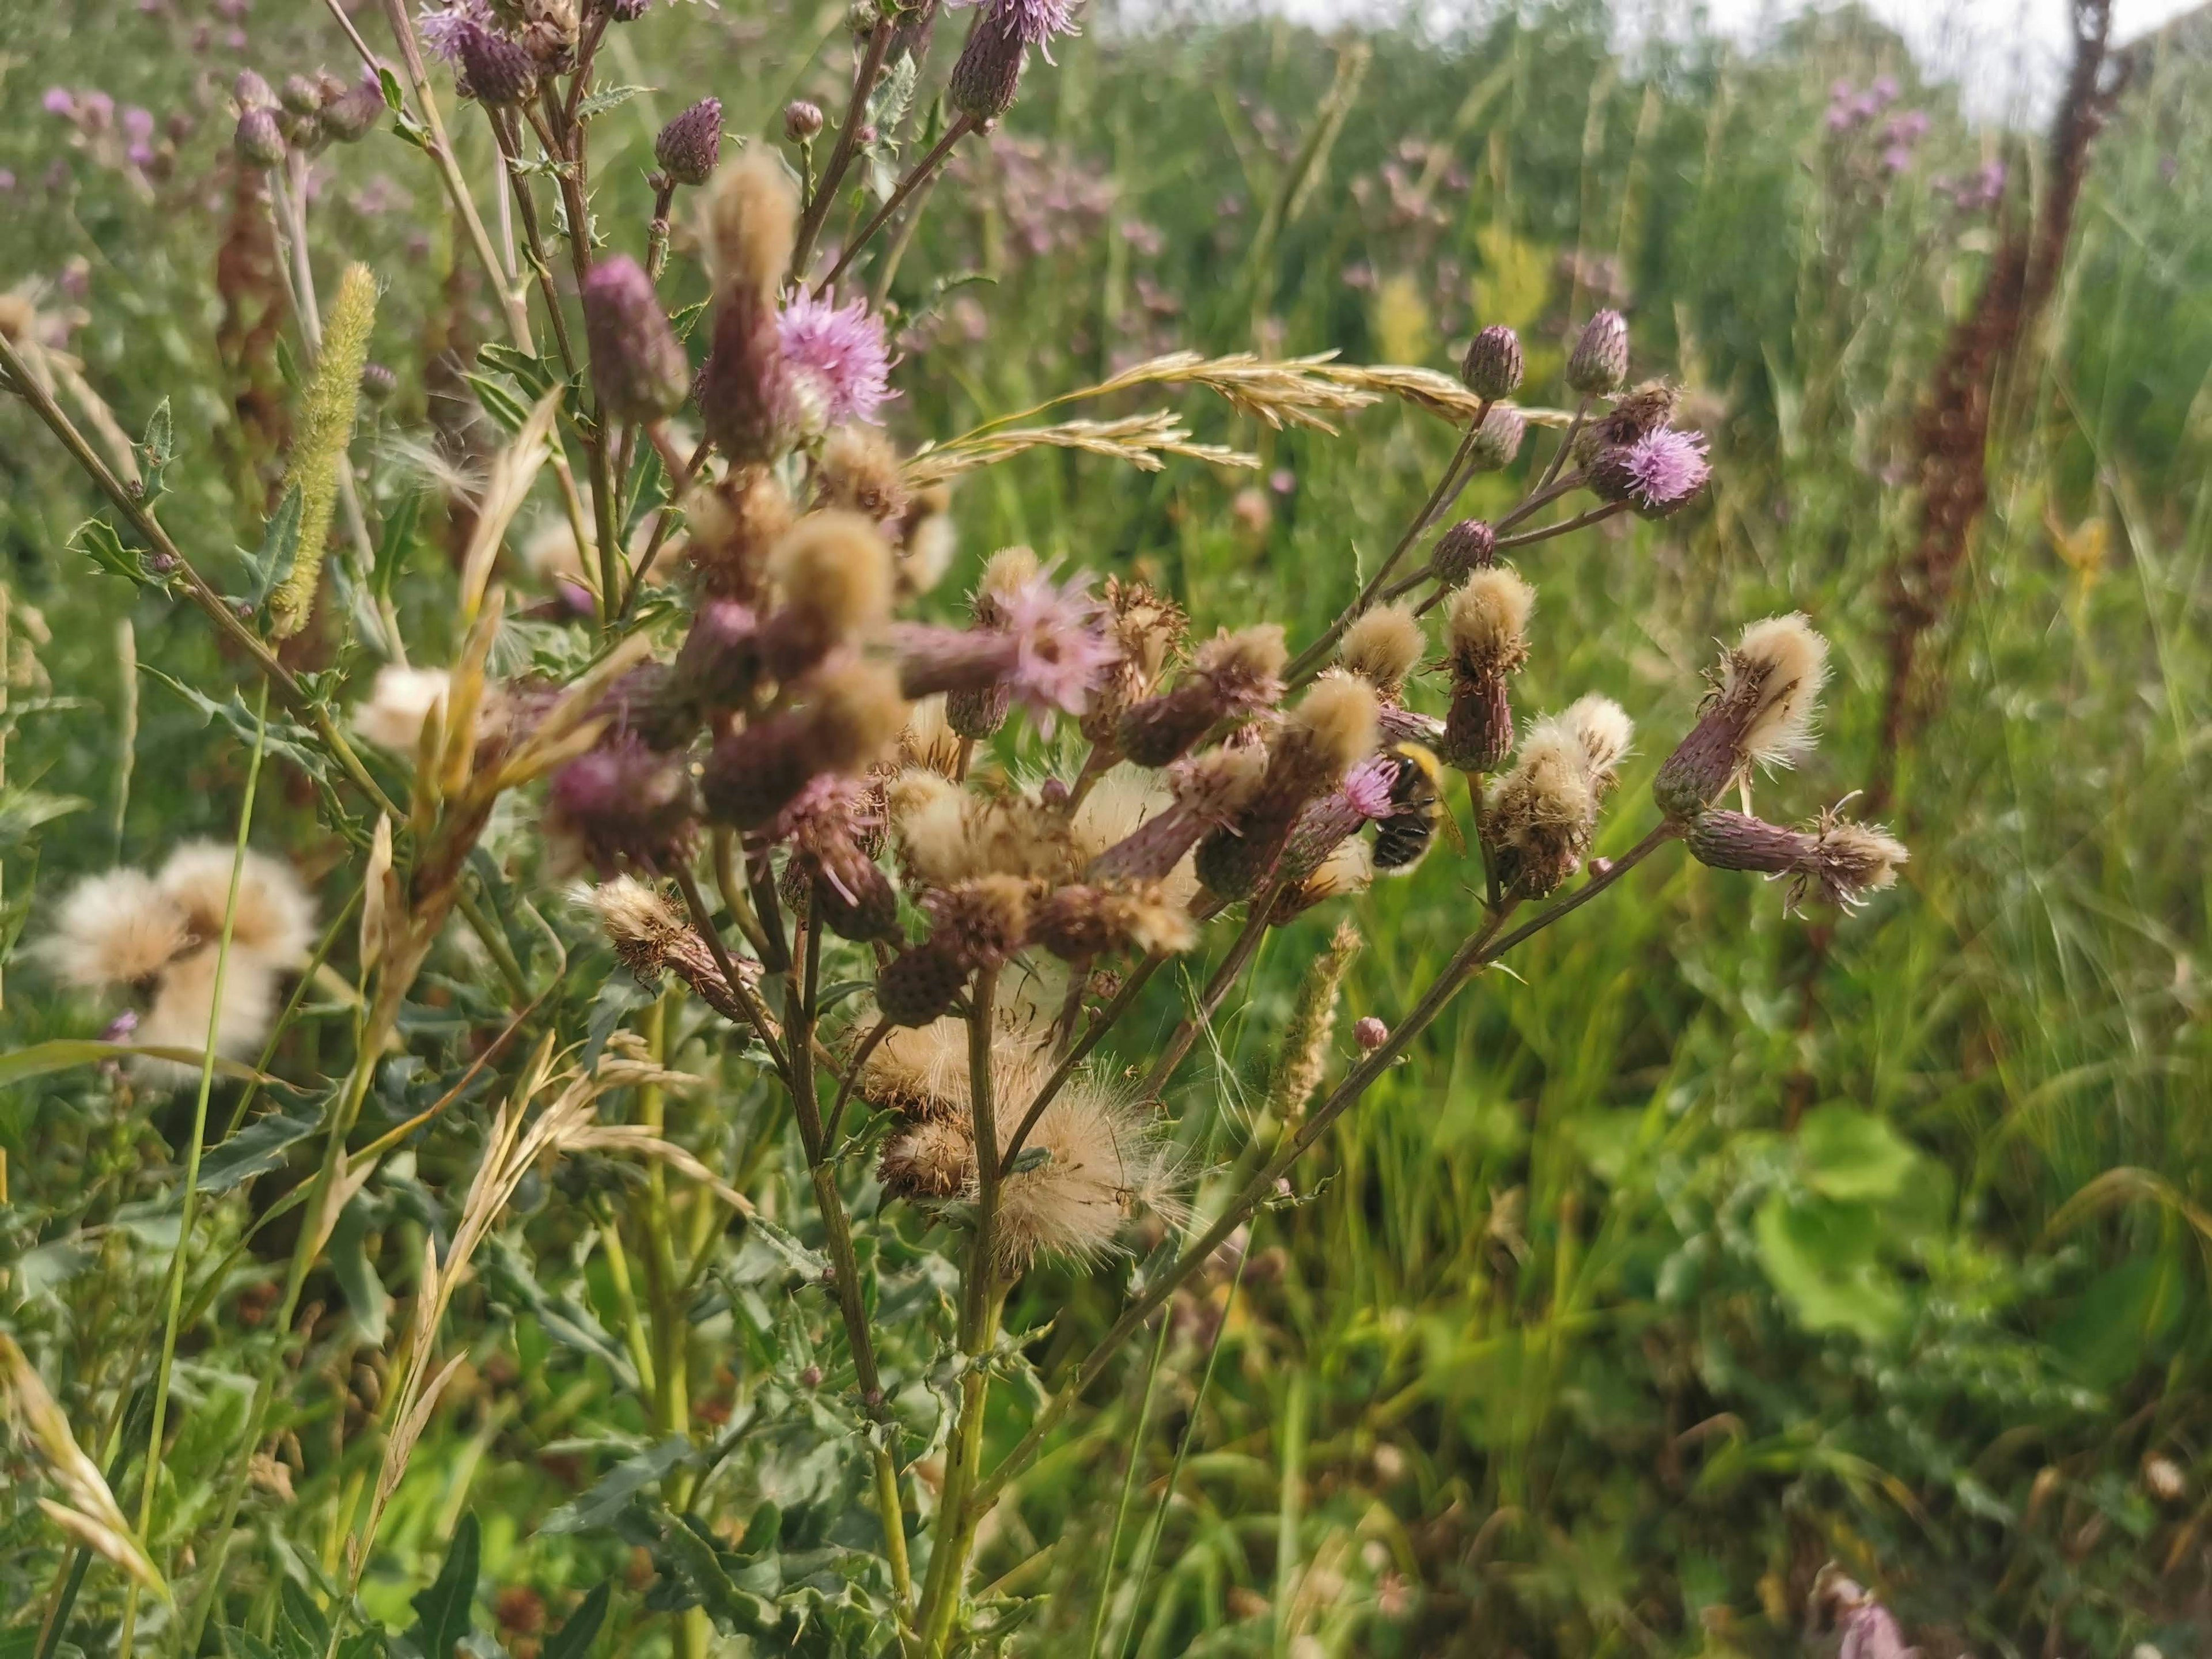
pixel 398 706
pixel 115 928
pixel 1124 799
pixel 1790 663
pixel 178 1017
pixel 275 918
pixel 1106 1156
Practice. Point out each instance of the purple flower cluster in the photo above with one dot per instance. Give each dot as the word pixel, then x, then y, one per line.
pixel 1852 111
pixel 441 27
pixel 1033 22
pixel 1666 468
pixel 1978 192
pixel 127 133
pixel 838 355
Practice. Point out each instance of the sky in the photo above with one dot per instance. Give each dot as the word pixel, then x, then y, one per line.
pixel 2007 56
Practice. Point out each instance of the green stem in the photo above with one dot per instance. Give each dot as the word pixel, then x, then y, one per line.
pixel 1100 1608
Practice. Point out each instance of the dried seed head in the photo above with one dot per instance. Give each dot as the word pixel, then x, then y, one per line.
pixel 853 713
pixel 1468 545
pixel 1382 646
pixel 859 473
pixel 394 716
pixel 920 1072
pixel 1006 574
pixel 1106 1157
pixel 752 223
pixel 1604 729
pixel 833 574
pixel 640 923
pixel 983 920
pixel 1079 922
pixel 1331 730
pixel 931 1160
pixel 1493 367
pixel 1541 815
pixel 1843 861
pixel 1599 363
pixel 114 929
pixel 733 526
pixel 1760 713
pixel 1498 440
pixel 1487 624
pixel 927 742
pixel 1146 628
pixel 691 145
pixel 184 1003
pixel 1232 677
pixel 638 365
pixel 273 919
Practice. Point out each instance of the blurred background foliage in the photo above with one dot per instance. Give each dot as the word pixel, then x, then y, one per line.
pixel 1702 1248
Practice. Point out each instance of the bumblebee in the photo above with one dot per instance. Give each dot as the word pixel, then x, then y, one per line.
pixel 1417 809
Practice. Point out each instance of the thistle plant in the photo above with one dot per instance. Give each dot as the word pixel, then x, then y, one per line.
pixel 902 865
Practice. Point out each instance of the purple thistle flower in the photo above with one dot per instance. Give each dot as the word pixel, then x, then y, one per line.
pixel 1870 1632
pixel 138 125
pixel 440 27
pixel 836 357
pixel 1049 649
pixel 60 100
pixel 829 809
pixel 1033 22
pixel 1656 473
pixel 96 110
pixel 1896 159
pixel 1366 787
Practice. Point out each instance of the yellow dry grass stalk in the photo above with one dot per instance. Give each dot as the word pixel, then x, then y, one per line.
pixel 87 1512
pixel 514 470
pixel 318 445
pixel 1139 440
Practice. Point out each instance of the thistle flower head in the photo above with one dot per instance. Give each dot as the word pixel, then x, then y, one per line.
pixel 691 145
pixel 1331 730
pixel 1656 474
pixel 440 27
pixel 1599 363
pixel 1605 731
pixel 730 528
pixel 1217 784
pixel 1369 1033
pixel 1033 22
pixel 934 1159
pixel 836 356
pixel 1084 921
pixel 1366 787
pixel 1381 647
pixel 1063 652
pixel 752 220
pixel 1497 441
pixel 1232 677
pixel 833 574
pixel 638 920
pixel 114 929
pixel 802 121
pixel 500 71
pixel 1541 815
pixel 352 112
pixel 859 472
pixel 1469 545
pixel 983 920
pixel 1487 622
pixel 828 810
pixel 927 742
pixel 620 801
pixel 273 919
pixel 638 365
pixel 853 714
pixel 1777 669
pixel 399 706
pixel 720 662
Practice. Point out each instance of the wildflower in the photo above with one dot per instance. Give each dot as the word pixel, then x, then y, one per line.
pixel 1330 730
pixel 691 144
pixel 1768 691
pixel 1381 647
pixel 1363 798
pixel 1468 545
pixel 1493 365
pixel 378 383
pixel 745 401
pixel 1635 414
pixel 1656 475
pixel 977 712
pixel 837 359
pixel 1486 626
pixel 353 113
pixel 1146 629
pixel 1369 1033
pixel 1498 440
pixel 258 141
pixel 827 823
pixel 1541 816
pixel 1842 860
pixel 988 73
pixel 1033 22
pixel 1348 870
pixel 622 801
pixel 932 1160
pixel 500 73
pixel 730 528
pixel 1231 678
pixel 1047 651
pixel 638 365
pixel 718 663
pixel 1599 363
pixel 833 576
pixel 978 923
pixel 399 706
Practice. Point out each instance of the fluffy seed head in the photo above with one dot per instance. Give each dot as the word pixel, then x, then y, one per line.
pixel 1779 666
pixel 1081 921
pixel 1006 574
pixel 752 221
pixel 931 1160
pixel 731 529
pixel 1330 730
pixel 1382 646
pixel 273 919
pixel 184 999
pixel 115 928
pixel 639 922
pixel 1146 628
pixel 689 147
pixel 859 473
pixel 1487 622
pixel 833 572
pixel 1106 1157
pixel 983 920
pixel 1541 815
pixel 1840 860
pixel 1604 729
pixel 1599 363
pixel 400 704
pixel 1493 365
pixel 853 715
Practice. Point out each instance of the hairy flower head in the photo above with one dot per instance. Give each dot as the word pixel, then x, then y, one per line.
pixel 836 356
pixel 1382 646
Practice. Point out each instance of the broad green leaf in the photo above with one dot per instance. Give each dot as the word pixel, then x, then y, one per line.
pixel 22 810
pixel 1819 1256
pixel 256 1150
pixel 445 1611
pixel 575 1638
pixel 612 1491
pixel 1851 1155
pixel 63 1053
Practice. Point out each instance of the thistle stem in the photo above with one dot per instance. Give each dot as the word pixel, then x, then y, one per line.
pixel 840 157
pixel 920 175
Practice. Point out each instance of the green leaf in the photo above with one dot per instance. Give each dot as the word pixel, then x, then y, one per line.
pixel 1852 1155
pixel 613 98
pixel 533 374
pixel 244 1643
pixel 156 450
pixel 573 1639
pixel 1029 1158
pixel 1819 1256
pixel 445 1612
pixel 389 84
pixel 303 1629
pixel 22 810
pixel 268 566
pixel 499 402
pixel 256 1150
pixel 96 539
pixel 63 1052
pixel 356 1274
pixel 393 544
pixel 687 319
pixel 610 1493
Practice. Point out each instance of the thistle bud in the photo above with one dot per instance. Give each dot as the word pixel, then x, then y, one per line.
pixel 627 11
pixel 918 986
pixel 619 801
pixel 252 92
pixel 745 398
pixel 1369 1033
pixel 1232 677
pixel 802 121
pixel 976 712
pixel 1468 545
pixel 353 113
pixel 300 95
pixel 834 574
pixel 638 366
pixel 989 71
pixel 1768 691
pixel 856 898
pixel 689 145
pixel 1498 440
pixel 1493 365
pixel 720 663
pixel 378 383
pixel 1330 730
pixel 1487 628
pixel 499 71
pixel 1080 923
pixel 259 141
pixel 1599 363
